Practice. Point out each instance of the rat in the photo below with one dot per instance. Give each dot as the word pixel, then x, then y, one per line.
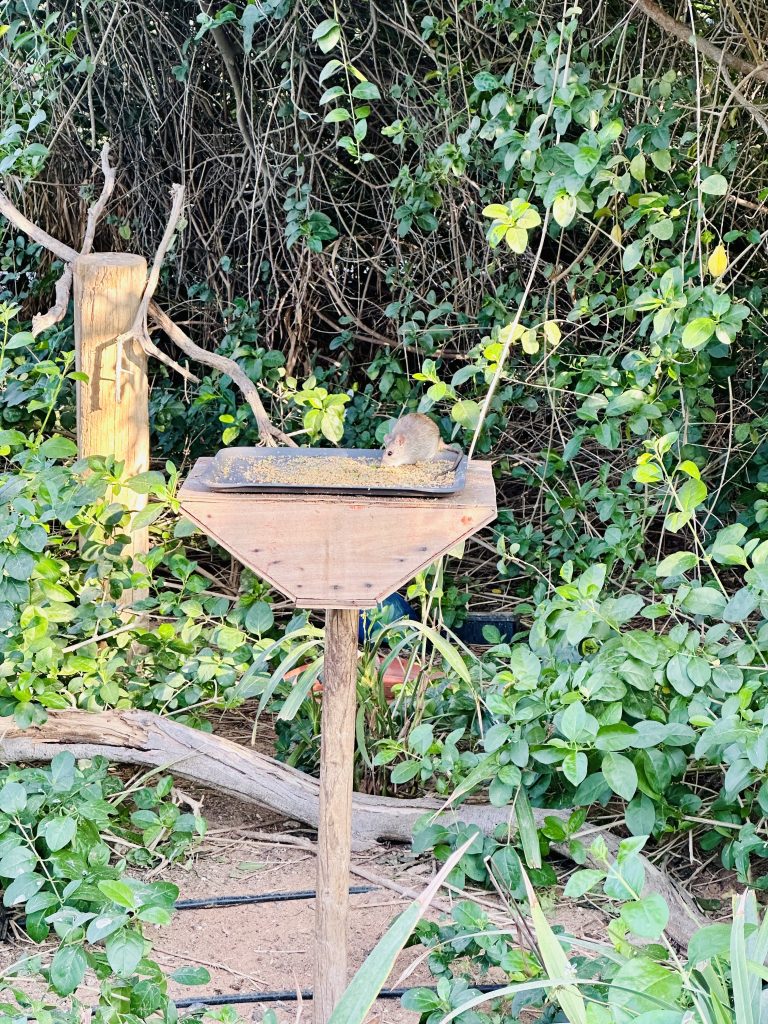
pixel 414 438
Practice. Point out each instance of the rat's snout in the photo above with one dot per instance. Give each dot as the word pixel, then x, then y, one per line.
pixel 389 458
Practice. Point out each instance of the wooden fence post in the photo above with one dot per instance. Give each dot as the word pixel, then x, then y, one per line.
pixel 107 291
pixel 335 826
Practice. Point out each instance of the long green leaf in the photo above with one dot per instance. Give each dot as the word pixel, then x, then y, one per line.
pixel 446 650
pixel 556 962
pixel 362 991
pixel 300 691
pixel 526 827
pixel 513 990
pixel 740 976
pixel 282 669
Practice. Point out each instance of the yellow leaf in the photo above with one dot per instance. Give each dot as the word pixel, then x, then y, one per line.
pixel 552 332
pixel 495 210
pixel 510 332
pixel 529 343
pixel 718 261
pixel 616 234
pixel 517 239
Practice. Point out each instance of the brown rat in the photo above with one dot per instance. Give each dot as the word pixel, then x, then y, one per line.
pixel 414 438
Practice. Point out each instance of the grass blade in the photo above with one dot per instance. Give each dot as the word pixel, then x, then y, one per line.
pixel 362 991
pixel 555 961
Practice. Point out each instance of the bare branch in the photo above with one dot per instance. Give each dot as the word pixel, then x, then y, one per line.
pixel 139 330
pixel 97 209
pixel 17 218
pixel 42 321
pixel 57 312
pixel 268 433
pixel 687 34
pixel 739 96
pixel 232 64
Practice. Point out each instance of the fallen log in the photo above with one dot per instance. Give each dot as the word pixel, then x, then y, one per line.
pixel 142 738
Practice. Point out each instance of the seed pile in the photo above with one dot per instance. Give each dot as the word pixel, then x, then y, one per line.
pixel 332 471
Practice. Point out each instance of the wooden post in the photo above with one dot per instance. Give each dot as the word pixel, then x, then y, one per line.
pixel 107 292
pixel 333 841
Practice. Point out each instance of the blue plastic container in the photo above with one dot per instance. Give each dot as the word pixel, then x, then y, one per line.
pixel 389 610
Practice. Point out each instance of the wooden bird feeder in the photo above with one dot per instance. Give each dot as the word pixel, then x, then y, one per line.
pixel 337 552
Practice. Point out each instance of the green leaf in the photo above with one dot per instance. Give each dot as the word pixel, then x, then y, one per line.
pixel 124 949
pixel 740 606
pixel 564 209
pixel 633 255
pixel 13 798
pixel 63 771
pixel 526 828
pixel 467 413
pixel 22 888
pixel 691 495
pixel 620 774
pixel 646 917
pixel 58 832
pixel 366 91
pixel 103 925
pixel 118 892
pixel 641 986
pixel 714 185
pixel 484 81
pixel 676 564
pixel 58 448
pixel 640 815
pixel 497 211
pixel 709 942
pixel 327 34
pixel 191 976
pixel 146 483
pixel 332 94
pixel 68 969
pixel 582 881
pixel 147 516
pixel 337 115
pixel 697 332
pixel 704 601
pixel 575 766
pixel 404 772
pixel 516 239
pixel 662 159
pixel 637 167
pixel 259 618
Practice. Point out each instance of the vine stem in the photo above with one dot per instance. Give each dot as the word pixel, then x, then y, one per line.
pixel 508 343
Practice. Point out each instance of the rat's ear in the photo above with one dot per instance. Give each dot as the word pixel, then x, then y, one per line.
pixel 389 438
pixel 399 440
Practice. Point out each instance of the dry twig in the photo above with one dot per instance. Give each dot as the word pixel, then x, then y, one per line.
pixel 139 330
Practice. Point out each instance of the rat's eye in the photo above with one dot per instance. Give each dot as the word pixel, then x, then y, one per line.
pixel 389 451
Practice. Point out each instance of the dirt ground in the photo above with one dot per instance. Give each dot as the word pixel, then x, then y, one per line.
pixel 268 946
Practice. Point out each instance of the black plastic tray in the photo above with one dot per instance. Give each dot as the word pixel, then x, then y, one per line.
pixel 227 461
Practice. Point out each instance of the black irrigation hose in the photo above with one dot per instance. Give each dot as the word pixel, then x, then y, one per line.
pixel 291 995
pixel 267 897
pixel 284 995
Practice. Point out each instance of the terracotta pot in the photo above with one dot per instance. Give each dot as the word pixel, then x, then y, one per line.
pixel 394 675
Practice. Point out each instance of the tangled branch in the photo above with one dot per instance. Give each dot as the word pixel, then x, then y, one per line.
pixel 268 432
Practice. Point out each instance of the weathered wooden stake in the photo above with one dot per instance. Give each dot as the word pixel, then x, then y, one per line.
pixel 107 292
pixel 334 833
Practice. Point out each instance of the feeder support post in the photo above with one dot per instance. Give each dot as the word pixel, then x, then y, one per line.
pixel 107 292
pixel 337 750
